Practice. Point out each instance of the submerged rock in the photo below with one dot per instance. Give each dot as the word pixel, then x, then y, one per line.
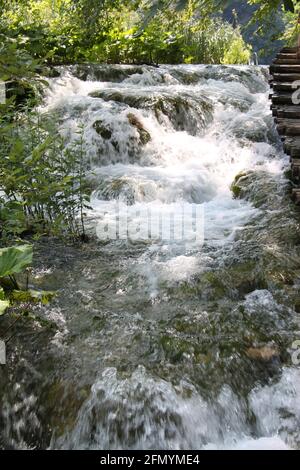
pixel 119 188
pixel 104 72
pixel 62 402
pixel 185 113
pixel 123 138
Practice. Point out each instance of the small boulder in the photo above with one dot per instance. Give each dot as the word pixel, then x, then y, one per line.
pixel 102 129
pixel 145 136
pixel 264 353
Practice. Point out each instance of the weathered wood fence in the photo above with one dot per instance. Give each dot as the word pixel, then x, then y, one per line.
pixel 285 82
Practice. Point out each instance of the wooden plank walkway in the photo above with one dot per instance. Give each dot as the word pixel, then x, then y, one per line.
pixel 285 97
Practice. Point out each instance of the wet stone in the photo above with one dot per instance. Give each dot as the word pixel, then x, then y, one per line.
pixel 264 353
pixel 101 129
pixel 145 136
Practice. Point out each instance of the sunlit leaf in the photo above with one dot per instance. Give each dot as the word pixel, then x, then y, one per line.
pixel 15 259
pixel 4 304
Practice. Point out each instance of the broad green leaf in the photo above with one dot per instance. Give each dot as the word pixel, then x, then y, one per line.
pixel 15 259
pixel 4 304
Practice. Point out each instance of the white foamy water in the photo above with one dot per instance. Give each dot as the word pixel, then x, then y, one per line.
pixel 174 167
pixel 155 415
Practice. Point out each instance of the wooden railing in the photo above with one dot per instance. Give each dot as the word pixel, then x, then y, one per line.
pixel 285 82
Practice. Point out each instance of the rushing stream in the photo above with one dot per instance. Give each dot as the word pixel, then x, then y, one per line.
pixel 161 343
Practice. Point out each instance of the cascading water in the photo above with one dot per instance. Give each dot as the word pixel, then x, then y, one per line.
pixel 170 344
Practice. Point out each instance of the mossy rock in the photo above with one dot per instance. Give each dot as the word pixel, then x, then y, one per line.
pixel 175 347
pixel 215 283
pixel 32 296
pixel 186 113
pixel 241 174
pixel 236 190
pixel 116 188
pixel 63 402
pixel 104 72
pixel 102 129
pixel 145 136
pixel 245 277
pixel 51 72
pixel 118 184
pixel 235 187
pixel 234 281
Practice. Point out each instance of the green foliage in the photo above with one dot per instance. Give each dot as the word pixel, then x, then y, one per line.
pixel 33 296
pixel 4 304
pixel 267 6
pixel 15 62
pixel 265 15
pixel 169 37
pixel 15 259
pixel 212 44
pixel 19 71
pixel 12 219
pixel 64 31
pixel 237 52
pixel 43 184
pixel 292 27
pixel 116 32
